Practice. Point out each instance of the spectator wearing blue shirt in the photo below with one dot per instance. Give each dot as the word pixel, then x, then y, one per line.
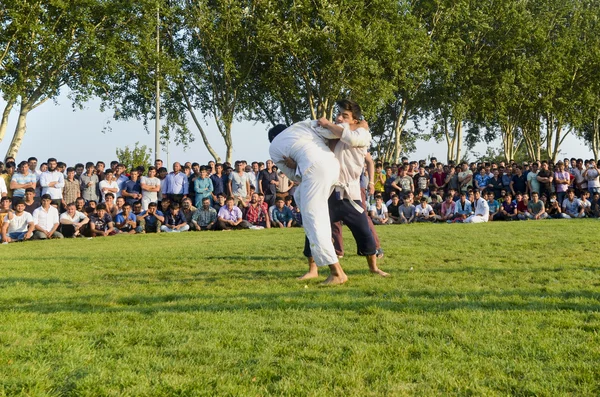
pixel 151 220
pixel 176 184
pixel 282 215
pixel 126 221
pixel 132 190
pixel 463 208
pixel 218 181
pixel 203 187
pixel 174 220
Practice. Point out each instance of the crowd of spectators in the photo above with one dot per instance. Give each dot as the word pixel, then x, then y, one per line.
pixel 488 191
pixel 53 200
pixel 92 200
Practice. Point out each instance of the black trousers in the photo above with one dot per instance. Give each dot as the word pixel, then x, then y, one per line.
pixel 358 223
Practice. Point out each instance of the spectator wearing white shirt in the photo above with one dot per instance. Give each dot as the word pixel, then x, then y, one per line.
pixel 17 226
pixel 46 220
pixel 72 221
pixel 108 185
pixel 379 212
pixel 424 212
pixel 482 209
pixel 52 182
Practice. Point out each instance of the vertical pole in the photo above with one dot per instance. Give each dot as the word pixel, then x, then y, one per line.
pixel 157 115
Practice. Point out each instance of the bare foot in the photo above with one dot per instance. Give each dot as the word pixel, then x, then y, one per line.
pixel 380 272
pixel 309 275
pixel 335 280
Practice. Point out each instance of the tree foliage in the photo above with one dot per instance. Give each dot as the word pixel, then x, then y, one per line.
pixel 132 158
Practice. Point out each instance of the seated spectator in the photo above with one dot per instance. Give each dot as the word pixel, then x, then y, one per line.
pixel 17 226
pixel 571 206
pixel 205 217
pixel 256 213
pixel 46 220
pixel 424 212
pixel 119 203
pixel 295 211
pixel 174 220
pixel 165 204
pixel 407 211
pixel 493 205
pixel 436 204
pixel 111 207
pixel 126 221
pixel 595 205
pixel 220 203
pixel 80 204
pixel 482 211
pixel 463 207
pixel 282 215
pixel 448 209
pixel 72 222
pixel 230 217
pixel 508 210
pixel 394 209
pixel 536 209
pixel 151 220
pixel 101 223
pixel 138 211
pixel 554 210
pixel 433 192
pixel 188 210
pixel 586 204
pixel 379 212
pixel 31 202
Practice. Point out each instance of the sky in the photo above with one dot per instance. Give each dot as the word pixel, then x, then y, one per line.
pixel 56 130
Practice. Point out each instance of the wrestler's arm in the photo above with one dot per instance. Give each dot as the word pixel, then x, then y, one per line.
pixel 370 172
pixel 338 129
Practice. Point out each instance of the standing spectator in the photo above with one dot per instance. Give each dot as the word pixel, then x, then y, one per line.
pixel 403 183
pixel 46 219
pixel 438 177
pixel 108 185
pixel 203 187
pixel 52 182
pixel 518 182
pixel 388 189
pixel 380 179
pixel 239 186
pixel 72 188
pixel 18 226
pixel 545 178
pixel 150 187
pixel 218 181
pixel 591 175
pixel 120 178
pixel 131 190
pixel 481 179
pixel 205 217
pixel 89 183
pixel 268 183
pixel 9 169
pixel 580 182
pixel 562 179
pixel 532 182
pixel 421 181
pixel 284 185
pixel 21 180
pixel 72 221
pixel 100 166
pixel 176 184
pixel 465 178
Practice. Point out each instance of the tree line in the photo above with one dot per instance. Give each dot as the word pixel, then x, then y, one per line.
pixel 525 71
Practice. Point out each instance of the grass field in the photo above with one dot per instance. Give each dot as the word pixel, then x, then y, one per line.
pixel 497 309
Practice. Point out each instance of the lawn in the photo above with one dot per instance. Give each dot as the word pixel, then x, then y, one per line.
pixel 496 309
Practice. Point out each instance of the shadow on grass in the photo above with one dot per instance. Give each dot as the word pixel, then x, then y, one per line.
pixel 334 299
pixel 10 281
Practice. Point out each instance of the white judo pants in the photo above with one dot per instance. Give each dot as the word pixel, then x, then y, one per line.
pixel 311 197
pixel 475 219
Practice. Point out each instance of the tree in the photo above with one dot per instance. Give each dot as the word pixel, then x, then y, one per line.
pixel 139 156
pixel 47 45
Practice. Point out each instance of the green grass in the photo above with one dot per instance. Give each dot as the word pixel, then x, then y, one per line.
pixel 497 309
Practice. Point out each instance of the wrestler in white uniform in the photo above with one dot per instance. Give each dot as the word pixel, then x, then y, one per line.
pixel 318 170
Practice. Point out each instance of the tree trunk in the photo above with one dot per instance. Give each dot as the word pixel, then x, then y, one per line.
pixel 458 138
pixel 20 130
pixel 228 143
pixel 190 109
pixel 596 136
pixel 4 122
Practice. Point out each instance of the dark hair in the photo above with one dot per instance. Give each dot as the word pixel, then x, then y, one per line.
pixel 32 159
pixel 101 206
pixel 230 198
pixel 46 197
pixel 19 201
pixel 126 205
pixel 152 204
pixel 346 104
pixel 30 190
pixel 6 198
pixel 79 165
pixel 89 164
pixel 278 129
pixel 109 194
pixel 51 159
pixel 70 169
